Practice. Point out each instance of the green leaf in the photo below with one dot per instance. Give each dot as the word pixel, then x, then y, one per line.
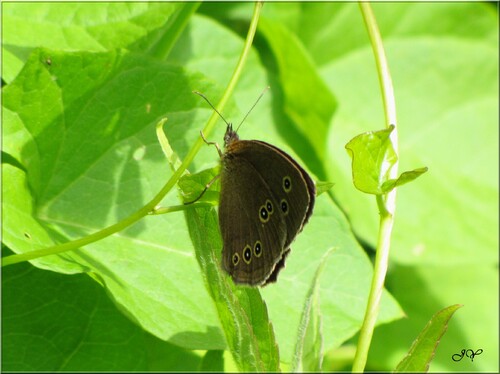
pixel 91 117
pixel 424 347
pixel 306 100
pixel 308 354
pixel 78 330
pixel 405 177
pixel 318 25
pixel 241 310
pixel 193 185
pixel 372 157
pixel 322 187
pixel 20 228
pixel 95 27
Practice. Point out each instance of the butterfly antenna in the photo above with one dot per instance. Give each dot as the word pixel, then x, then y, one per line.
pixel 209 103
pixel 253 106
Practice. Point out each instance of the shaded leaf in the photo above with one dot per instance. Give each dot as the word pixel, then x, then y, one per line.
pixel 79 330
pixel 306 99
pixel 212 361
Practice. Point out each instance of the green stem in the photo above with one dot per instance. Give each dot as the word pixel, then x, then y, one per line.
pixel 386 204
pixel 163 45
pixel 134 217
pixel 179 208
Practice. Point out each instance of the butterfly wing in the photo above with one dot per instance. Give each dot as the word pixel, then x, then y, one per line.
pixel 288 181
pixel 253 231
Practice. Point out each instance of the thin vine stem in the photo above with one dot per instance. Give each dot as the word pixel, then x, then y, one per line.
pixel 386 203
pixel 134 217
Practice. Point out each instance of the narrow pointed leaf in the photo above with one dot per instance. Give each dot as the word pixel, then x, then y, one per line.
pixel 424 347
pixel 241 310
pixel 308 354
pixel 322 187
pixel 405 177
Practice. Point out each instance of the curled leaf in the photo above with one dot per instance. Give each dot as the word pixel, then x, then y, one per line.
pixel 373 157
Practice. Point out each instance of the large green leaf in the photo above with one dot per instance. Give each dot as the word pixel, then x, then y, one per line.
pixel 103 136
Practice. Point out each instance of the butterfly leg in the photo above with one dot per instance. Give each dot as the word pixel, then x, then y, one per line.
pixel 211 143
pixel 207 186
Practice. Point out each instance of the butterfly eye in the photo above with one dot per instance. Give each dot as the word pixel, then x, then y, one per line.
pixel 284 207
pixel 236 259
pixel 287 184
pixel 257 249
pixel 247 254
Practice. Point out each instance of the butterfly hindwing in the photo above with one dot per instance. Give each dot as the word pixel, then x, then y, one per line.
pixel 289 183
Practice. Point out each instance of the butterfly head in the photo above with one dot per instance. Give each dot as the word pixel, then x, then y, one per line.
pixel 230 136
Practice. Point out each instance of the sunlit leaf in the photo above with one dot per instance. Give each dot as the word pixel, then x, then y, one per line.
pixel 424 347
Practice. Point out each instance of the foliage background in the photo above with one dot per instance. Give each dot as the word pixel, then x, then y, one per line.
pixel 79 153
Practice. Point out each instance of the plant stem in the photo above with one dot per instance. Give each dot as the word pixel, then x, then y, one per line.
pixel 385 203
pixel 134 217
pixel 163 45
